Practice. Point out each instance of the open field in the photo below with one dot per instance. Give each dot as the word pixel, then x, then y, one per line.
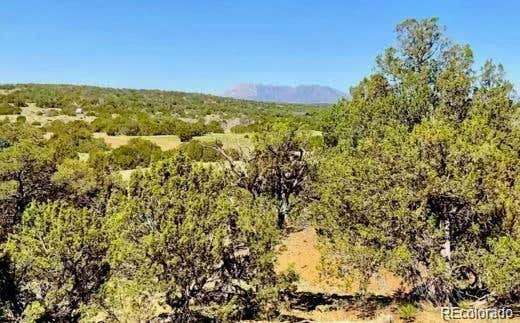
pixel 166 142
pixel 32 113
pixel 7 91
pixel 228 140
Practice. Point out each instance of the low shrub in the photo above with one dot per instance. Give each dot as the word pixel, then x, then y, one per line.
pixel 6 108
pixel 137 153
pixel 407 312
pixel 197 151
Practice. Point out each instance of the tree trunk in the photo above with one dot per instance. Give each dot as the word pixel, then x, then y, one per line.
pixel 283 210
pixel 9 290
pixel 446 248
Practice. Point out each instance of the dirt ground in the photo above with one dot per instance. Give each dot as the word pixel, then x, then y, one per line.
pixel 300 249
pixel 322 300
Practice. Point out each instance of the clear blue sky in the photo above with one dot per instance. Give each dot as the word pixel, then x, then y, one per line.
pixel 208 46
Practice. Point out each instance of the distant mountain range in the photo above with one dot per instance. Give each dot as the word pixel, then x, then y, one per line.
pixel 308 94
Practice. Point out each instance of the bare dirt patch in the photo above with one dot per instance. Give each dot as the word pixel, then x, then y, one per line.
pixel 321 299
pixel 301 251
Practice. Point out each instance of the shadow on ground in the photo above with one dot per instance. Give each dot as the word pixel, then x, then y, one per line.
pixel 365 306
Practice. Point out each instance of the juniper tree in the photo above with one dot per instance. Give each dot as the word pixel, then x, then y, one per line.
pixel 419 195
pixel 25 171
pixel 278 168
pixel 58 255
pixel 207 248
pixel 24 176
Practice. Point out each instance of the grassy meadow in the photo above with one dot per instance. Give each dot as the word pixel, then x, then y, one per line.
pixel 169 142
pixel 166 142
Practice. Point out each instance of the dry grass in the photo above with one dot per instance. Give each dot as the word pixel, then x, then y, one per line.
pixel 127 173
pixel 166 142
pixel 83 156
pixel 228 140
pixel 8 91
pixel 341 316
pixel 230 123
pixel 32 113
pixel 300 251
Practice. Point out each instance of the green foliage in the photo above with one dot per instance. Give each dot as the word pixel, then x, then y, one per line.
pixel 69 139
pixel 6 108
pixel 137 153
pixel 422 171
pixel 278 169
pixel 143 125
pixel 76 176
pixel 407 311
pixel 196 151
pixel 187 130
pixel 247 128
pixel 141 112
pixel 59 255
pixel 205 248
pixel 454 83
pixel 19 103
pixel 214 127
pixel 82 185
pixel 417 173
pixel 25 171
pixel 49 102
pixel 501 267
pixel 12 133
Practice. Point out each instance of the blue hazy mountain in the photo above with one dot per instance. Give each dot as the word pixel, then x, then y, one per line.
pixel 308 94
